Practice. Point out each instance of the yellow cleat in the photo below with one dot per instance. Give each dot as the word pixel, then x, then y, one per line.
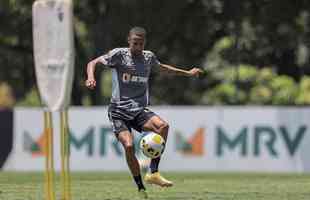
pixel 143 194
pixel 157 179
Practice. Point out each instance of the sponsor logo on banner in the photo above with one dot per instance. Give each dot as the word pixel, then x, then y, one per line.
pixel 83 141
pixel 253 140
pixel 34 146
pixel 86 140
pixel 271 140
pixel 247 141
pixel 193 146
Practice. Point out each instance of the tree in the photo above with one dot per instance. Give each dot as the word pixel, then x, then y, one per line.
pixel 215 34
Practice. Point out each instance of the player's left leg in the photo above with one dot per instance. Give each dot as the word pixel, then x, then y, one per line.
pixel 159 126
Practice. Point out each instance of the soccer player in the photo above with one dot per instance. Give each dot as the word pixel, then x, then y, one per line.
pixel 131 69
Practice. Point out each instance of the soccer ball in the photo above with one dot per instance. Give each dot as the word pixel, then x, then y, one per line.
pixel 152 145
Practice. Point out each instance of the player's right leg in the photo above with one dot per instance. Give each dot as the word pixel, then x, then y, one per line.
pixel 121 130
pixel 126 139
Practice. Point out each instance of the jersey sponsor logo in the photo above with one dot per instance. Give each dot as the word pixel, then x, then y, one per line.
pixel 131 67
pixel 132 78
pixel 147 110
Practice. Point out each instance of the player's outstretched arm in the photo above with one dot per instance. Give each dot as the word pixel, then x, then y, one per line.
pixel 192 72
pixel 91 66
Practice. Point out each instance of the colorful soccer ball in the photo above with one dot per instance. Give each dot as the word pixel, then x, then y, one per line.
pixel 152 145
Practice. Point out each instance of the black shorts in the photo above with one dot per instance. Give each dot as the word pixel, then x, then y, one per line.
pixel 123 120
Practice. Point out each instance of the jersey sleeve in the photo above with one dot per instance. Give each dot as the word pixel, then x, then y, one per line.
pixel 110 59
pixel 154 61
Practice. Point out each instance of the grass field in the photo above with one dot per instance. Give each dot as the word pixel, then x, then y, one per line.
pixel 198 186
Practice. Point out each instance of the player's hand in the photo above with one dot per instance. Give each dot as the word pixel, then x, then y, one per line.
pixel 90 83
pixel 195 72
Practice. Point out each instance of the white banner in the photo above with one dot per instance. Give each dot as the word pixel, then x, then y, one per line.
pixel 200 139
pixel 53 51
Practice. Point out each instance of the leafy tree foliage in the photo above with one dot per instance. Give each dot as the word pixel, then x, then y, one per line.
pixel 256 52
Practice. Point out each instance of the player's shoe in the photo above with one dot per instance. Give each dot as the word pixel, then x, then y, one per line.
pixel 157 179
pixel 142 194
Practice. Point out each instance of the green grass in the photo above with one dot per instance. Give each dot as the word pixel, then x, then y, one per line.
pixel 198 186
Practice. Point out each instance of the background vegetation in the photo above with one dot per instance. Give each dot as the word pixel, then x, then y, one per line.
pixel 255 52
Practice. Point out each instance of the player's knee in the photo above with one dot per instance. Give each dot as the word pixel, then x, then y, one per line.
pixel 164 127
pixel 128 146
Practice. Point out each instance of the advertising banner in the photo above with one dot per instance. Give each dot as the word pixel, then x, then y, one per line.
pixel 254 139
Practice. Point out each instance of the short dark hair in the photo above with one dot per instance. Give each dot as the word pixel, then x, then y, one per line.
pixel 137 30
